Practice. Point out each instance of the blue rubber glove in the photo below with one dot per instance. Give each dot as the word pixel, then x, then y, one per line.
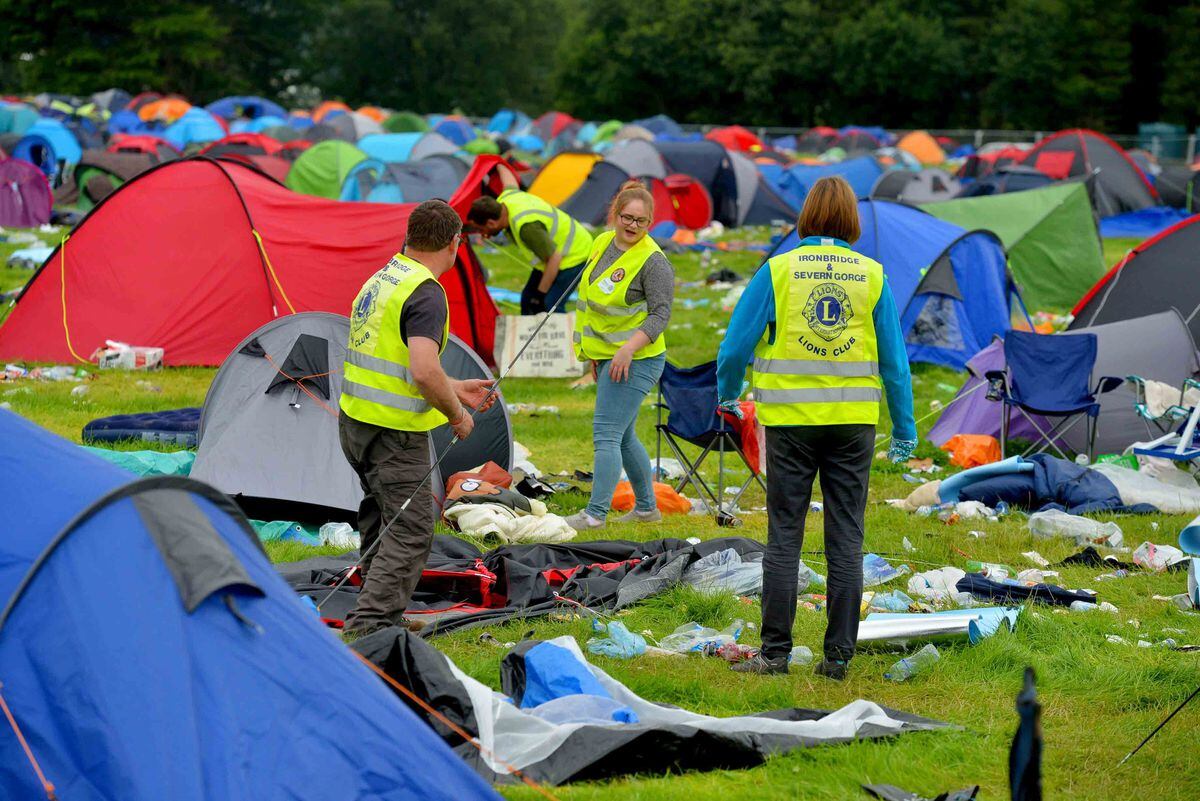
pixel 732 407
pixel 901 450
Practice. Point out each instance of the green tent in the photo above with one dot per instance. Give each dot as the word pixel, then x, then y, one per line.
pixel 1050 234
pixel 606 131
pixel 322 168
pixel 405 122
pixel 482 146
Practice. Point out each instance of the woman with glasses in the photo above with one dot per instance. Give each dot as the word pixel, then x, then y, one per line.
pixel 624 306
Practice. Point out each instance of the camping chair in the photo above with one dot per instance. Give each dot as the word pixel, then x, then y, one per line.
pixel 690 395
pixel 1178 422
pixel 1047 376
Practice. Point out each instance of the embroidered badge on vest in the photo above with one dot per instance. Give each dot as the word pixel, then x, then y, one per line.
pixel 828 311
pixel 618 275
pixel 365 306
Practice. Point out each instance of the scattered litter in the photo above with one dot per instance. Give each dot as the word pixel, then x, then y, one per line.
pixel 79 391
pixel 936 585
pixel 894 601
pixel 1157 557
pixel 1055 523
pixel 532 409
pixel 876 570
pixel 621 643
pixel 146 386
pixel 339 535
pixel 667 469
pixel 121 356
pixel 908 546
pixel 801 655
pixel 913 665
pixel 1036 558
pixel 976 535
pixel 994 571
pixel 694 638
pixel 1084 606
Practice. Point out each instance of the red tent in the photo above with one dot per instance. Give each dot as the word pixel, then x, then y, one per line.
pixel 735 137
pixel 143 143
pixel 247 143
pixel 681 199
pixel 194 254
pixel 273 166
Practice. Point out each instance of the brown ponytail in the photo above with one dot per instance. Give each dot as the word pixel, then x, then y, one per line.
pixel 633 189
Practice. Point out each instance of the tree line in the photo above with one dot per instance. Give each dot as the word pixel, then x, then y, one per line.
pixel 1030 64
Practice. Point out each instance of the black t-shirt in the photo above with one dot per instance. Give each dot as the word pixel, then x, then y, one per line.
pixel 424 313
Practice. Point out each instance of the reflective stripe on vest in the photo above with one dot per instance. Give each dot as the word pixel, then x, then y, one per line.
pixel 569 237
pixel 604 322
pixel 823 366
pixel 378 385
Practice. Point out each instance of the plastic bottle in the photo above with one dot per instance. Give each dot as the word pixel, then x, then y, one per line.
pixel 912 665
pixel 990 569
pixel 926 511
pixel 800 655
pixel 339 535
pixel 1054 523
pixel 1083 606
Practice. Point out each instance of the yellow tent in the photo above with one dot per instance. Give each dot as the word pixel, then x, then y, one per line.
pixel 561 176
pixel 922 146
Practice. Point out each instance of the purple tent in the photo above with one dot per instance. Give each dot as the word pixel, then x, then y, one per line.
pixel 25 199
pixel 972 413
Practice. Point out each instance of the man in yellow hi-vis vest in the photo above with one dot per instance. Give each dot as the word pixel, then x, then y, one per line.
pixel 539 233
pixel 394 392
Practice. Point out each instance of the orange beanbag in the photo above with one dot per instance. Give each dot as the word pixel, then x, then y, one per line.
pixel 972 450
pixel 670 502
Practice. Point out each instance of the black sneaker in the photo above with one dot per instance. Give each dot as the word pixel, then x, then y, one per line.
pixel 761 665
pixel 832 669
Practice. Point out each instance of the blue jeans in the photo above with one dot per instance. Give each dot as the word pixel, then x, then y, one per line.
pixel 615 438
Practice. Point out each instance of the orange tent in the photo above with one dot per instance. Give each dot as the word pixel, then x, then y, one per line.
pixel 923 147
pixel 374 112
pixel 327 106
pixel 166 110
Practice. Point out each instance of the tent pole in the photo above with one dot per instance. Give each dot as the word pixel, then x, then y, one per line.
pixel 454 440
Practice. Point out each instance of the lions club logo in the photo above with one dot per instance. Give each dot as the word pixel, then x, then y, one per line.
pixel 828 311
pixel 365 305
pixel 618 275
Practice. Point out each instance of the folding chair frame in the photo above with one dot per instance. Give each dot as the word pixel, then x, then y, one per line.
pixel 999 390
pixel 722 438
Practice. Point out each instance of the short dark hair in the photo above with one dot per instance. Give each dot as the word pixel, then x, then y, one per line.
pixel 432 226
pixel 830 210
pixel 484 210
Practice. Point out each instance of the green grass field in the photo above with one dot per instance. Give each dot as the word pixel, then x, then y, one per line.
pixel 1099 699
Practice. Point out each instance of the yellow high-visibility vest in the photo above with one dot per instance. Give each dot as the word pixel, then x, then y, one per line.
pixel 823 367
pixel 604 321
pixel 378 386
pixel 569 236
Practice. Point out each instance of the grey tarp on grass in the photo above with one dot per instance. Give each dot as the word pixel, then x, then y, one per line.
pixel 663 739
pixel 274 445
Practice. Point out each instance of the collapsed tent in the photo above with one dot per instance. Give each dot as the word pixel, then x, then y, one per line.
pixel 321 170
pixel 562 175
pixel 1120 185
pixel 560 719
pixel 241 250
pixel 951 285
pixel 916 186
pixel 268 434
pixel 1157 347
pixel 241 675
pixel 1159 274
pixel 1050 235
pixel 25 199
pixel 412 182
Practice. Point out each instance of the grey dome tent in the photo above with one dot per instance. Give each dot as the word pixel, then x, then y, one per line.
pixel 916 186
pixel 268 431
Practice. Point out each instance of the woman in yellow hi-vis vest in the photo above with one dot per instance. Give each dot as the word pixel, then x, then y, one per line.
pixel 821 326
pixel 624 306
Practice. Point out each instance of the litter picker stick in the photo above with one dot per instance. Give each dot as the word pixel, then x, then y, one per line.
pixel 453 441
pixel 1195 692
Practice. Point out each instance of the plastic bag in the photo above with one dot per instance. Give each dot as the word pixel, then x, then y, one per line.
pixel 972 450
pixel 876 570
pixel 1055 523
pixel 621 643
pixel 1156 557
pixel 669 501
pixel 586 709
pixel 339 535
pixel 692 637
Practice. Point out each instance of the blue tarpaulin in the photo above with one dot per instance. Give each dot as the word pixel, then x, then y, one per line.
pixel 1141 224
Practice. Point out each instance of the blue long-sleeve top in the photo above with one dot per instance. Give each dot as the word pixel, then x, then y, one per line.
pixel 754 316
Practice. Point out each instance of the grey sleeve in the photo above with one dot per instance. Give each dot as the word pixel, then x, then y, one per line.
pixel 657 281
pixel 424 313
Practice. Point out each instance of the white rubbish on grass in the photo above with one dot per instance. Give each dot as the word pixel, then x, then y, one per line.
pixel 1055 523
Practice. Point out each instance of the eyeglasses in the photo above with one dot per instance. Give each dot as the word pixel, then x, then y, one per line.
pixel 629 219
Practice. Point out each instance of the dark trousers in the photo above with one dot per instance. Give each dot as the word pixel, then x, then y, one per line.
pixel 562 283
pixel 795 455
pixel 391 465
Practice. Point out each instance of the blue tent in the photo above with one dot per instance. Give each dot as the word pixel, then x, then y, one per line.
pixel 389 147
pixel 879 134
pixel 508 121
pixel 299 121
pixel 376 181
pixel 149 650
pixel 456 129
pixel 16 117
pixel 53 132
pixel 256 125
pixel 660 124
pixel 248 107
pixel 793 183
pixel 196 125
pixel 951 285
pixel 126 121
pixel 1143 223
